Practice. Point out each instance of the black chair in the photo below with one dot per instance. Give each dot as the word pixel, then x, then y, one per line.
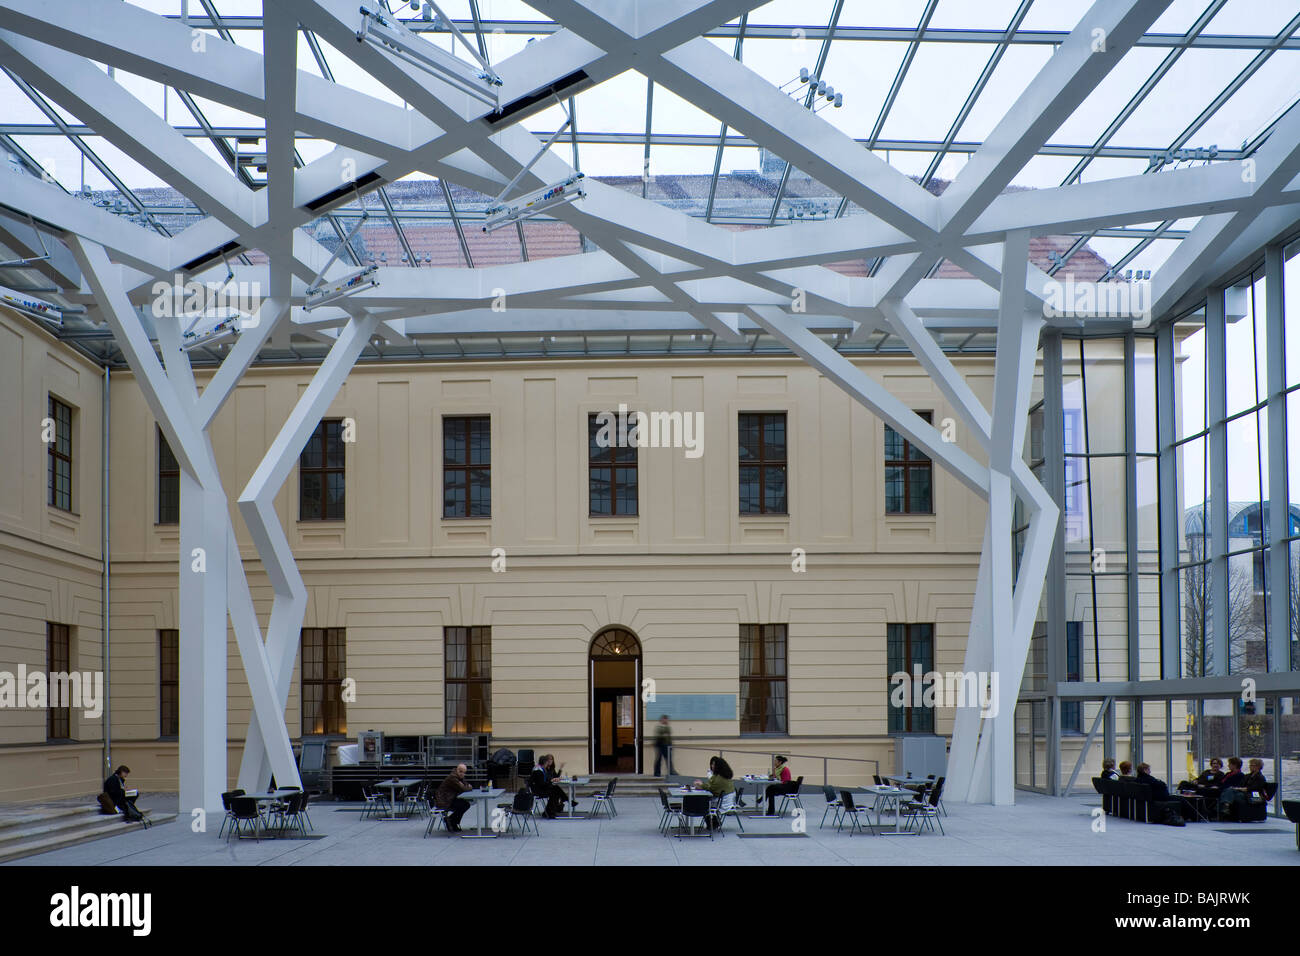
pixel 521 809
pixel 926 810
pixel 245 811
pixel 791 795
pixel 290 815
pixel 695 806
pixel 671 811
pixel 851 811
pixel 1254 810
pixel 605 798
pixel 225 802
pixel 832 803
pixel 524 766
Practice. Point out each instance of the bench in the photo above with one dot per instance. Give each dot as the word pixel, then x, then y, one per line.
pixel 1292 810
pixel 1132 800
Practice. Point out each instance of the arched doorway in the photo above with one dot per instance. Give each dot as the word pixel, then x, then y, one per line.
pixel 614 682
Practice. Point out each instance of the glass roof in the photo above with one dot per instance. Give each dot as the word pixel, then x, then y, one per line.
pixel 924 82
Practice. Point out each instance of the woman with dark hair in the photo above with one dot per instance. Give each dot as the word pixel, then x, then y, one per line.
pixel 781 771
pixel 719 784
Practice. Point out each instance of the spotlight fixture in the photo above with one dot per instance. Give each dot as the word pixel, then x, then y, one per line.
pixel 384 30
pixel 207 329
pixel 28 305
pixel 531 204
pixel 341 288
pixel 823 94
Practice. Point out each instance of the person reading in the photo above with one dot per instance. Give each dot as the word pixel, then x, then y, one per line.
pixel 117 797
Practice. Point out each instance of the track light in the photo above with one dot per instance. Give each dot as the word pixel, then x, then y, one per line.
pixel 341 288
pixel 386 31
pixel 26 304
pixel 206 329
pixel 531 204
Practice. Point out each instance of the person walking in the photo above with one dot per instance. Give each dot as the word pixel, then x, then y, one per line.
pixel 664 745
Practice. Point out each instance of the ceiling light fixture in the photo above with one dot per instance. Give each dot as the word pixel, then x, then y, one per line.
pixel 386 31
pixel 341 288
pixel 28 305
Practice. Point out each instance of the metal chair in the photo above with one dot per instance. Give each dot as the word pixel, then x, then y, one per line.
pixel 604 798
pixel 375 801
pixel 671 811
pixel 521 809
pixel 246 810
pixel 695 806
pixel 851 811
pixel 436 815
pixel 225 802
pixel 727 808
pixel 791 796
pixel 925 810
pixel 832 803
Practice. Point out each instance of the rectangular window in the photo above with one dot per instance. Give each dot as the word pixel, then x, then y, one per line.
pixel 910 649
pixel 60 458
pixel 169 675
pixel 467 655
pixel 169 483
pixel 58 660
pixel 908 475
pixel 467 467
pixel 611 471
pixel 762 679
pixel 321 474
pixel 324 657
pixel 762 447
pixel 1072 710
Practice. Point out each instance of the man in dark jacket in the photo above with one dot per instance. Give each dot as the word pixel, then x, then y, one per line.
pixel 1165 810
pixel 448 796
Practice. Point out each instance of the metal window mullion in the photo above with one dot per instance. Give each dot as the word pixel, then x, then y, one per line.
pixel 1134 630
pixel 460 232
pixel 1170 517
pixel 1216 395
pixel 397 226
pixel 1279 564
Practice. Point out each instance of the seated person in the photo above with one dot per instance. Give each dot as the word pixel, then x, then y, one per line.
pixel 1234 776
pixel 781 771
pixel 719 782
pixel 1251 789
pixel 1165 810
pixel 1125 768
pixel 540 784
pixel 115 791
pixel 448 797
pixel 1212 777
pixel 1108 769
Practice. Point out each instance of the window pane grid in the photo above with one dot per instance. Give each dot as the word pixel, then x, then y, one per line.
pixel 324 661
pixel 467 657
pixel 761 446
pixel 466 467
pixel 60 456
pixel 321 474
pixel 763 707
pixel 908 475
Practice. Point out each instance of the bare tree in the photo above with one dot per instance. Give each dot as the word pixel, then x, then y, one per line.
pixel 1244 619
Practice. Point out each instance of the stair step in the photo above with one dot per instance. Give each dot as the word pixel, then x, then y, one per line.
pixel 45 839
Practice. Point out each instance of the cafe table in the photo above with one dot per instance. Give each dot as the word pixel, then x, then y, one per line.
pixel 894 795
pixel 680 792
pixel 481 797
pixel 572 783
pixel 759 786
pixel 392 786
pixel 270 796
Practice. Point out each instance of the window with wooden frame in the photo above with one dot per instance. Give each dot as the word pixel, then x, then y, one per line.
pixel 763 679
pixel 169 483
pixel 58 660
pixel 467 467
pixel 909 475
pixel 909 649
pixel 321 474
pixel 169 674
pixel 324 658
pixel 761 442
pixel 60 455
pixel 467 660
pixel 611 473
